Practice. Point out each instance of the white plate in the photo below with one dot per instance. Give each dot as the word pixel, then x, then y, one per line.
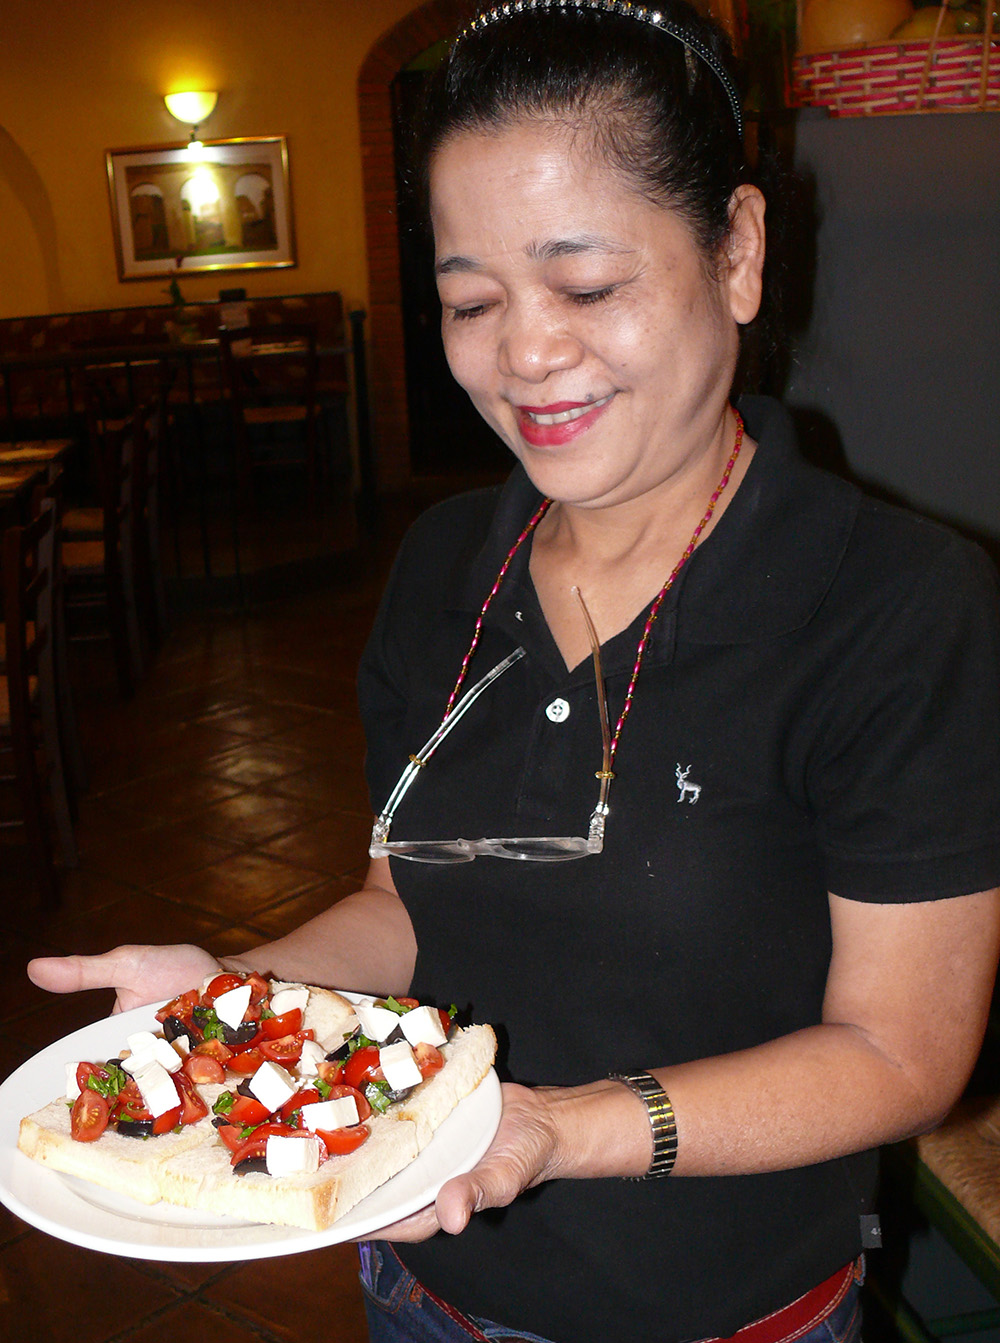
pixel 86 1215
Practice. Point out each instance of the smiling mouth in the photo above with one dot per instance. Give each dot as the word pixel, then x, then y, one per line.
pixel 563 416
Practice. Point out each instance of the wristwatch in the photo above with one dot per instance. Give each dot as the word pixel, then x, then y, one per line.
pixel 662 1121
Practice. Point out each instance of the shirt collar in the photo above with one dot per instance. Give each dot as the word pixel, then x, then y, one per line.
pixel 761 573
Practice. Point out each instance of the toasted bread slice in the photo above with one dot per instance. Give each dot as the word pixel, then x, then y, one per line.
pixel 468 1057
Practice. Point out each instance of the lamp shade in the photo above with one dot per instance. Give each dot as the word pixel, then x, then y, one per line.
pixel 189 107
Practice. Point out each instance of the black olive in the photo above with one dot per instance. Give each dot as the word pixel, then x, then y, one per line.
pixel 251 1165
pixel 339 1054
pixel 394 1036
pixel 399 1095
pixel 244 1089
pixel 113 1063
pixel 174 1028
pixel 135 1128
pixel 241 1035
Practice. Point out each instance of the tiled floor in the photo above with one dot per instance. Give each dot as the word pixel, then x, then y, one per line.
pixel 226 805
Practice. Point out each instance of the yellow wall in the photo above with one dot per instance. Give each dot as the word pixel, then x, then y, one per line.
pixel 78 77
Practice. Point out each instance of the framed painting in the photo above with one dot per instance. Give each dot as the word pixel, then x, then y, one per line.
pixel 215 205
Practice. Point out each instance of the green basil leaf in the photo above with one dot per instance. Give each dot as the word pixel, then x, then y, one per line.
pixel 395 1006
pixel 224 1103
pixel 377 1096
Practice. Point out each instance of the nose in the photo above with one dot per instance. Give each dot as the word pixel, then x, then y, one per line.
pixel 533 344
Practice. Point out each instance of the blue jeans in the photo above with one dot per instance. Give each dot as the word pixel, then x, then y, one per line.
pixel 400 1310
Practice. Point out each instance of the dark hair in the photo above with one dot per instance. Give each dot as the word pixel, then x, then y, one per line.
pixel 657 112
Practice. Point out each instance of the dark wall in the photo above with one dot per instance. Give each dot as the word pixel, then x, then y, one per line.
pixel 899 365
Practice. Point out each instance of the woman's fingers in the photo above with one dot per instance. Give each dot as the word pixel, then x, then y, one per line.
pixel 138 974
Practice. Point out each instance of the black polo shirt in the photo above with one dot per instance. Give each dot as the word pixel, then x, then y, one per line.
pixel 825 670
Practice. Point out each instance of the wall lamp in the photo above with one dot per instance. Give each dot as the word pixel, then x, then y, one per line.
pixel 192 109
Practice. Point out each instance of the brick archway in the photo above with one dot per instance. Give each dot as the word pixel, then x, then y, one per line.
pixel 432 22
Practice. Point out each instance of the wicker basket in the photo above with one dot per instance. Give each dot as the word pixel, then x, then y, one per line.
pixel 920 75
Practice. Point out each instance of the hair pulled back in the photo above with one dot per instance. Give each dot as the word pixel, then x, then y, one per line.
pixel 656 113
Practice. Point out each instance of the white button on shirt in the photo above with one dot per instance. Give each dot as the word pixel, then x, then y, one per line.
pixel 557 711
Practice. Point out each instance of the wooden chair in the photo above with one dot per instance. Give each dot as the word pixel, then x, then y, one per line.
pixel 98 567
pixel 30 729
pixel 270 377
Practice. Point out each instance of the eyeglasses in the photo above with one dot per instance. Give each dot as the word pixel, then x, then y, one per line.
pixel 542 848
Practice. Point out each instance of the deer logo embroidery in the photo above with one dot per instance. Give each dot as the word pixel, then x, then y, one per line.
pixel 691 791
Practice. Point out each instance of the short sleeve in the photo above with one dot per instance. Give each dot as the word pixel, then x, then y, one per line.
pixel 906 780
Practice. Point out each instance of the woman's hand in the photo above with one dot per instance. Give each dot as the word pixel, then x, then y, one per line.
pixel 138 974
pixel 545 1133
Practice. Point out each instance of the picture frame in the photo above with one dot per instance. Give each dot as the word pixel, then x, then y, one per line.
pixel 217 205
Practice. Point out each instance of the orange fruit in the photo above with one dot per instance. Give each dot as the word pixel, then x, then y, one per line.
pixel 828 25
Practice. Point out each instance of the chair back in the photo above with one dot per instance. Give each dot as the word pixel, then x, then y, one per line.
pixel 271 365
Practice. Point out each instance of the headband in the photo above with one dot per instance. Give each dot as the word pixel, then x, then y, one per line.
pixel 691 42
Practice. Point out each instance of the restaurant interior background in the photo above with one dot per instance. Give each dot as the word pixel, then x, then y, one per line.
pixel 893 372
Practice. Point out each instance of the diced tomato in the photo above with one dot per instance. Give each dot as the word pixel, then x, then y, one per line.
pixel 429 1059
pixel 89 1116
pixel 193 1107
pixel 307 1096
pixel 363 1067
pixel 256 1144
pixel 130 1102
pixel 213 1049
pixel 408 1002
pixel 253 1012
pixel 180 1007
pixel 288 1049
pixel 246 1045
pixel 340 1141
pixel 231 1135
pixel 202 1068
pixel 246 1063
pixel 259 987
pixel 247 1110
pixel 287 1024
pixel 221 984
pixel 445 1019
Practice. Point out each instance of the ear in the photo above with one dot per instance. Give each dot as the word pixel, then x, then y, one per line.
pixel 745 253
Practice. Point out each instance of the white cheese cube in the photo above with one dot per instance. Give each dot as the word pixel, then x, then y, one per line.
pixel 288 998
pixel 158 1089
pixel 291 1156
pixel 272 1085
pixel 423 1026
pixel 166 1055
pixel 376 1022
pixel 338 1112
pixel 399 1066
pixel 313 1055
pixel 72 1090
pixel 230 1007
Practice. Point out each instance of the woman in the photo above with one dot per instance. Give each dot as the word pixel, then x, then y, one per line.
pixel 784 901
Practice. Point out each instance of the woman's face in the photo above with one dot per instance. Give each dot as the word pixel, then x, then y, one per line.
pixel 581 318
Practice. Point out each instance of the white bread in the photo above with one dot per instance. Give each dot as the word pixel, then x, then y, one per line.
pixel 192 1167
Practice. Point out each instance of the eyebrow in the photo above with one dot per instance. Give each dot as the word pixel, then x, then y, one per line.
pixel 538 251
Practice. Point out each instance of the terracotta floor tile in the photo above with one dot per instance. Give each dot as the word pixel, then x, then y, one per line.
pixel 340 787
pixel 17 993
pixel 258 762
pixel 237 886
pixel 53 1291
pixel 173 794
pixel 81 892
pixel 140 857
pixel 253 818
pixel 333 845
pixel 139 918
pixel 195 1323
pixel 10 1227
pixel 261 719
pixel 58 1016
pixel 285 1294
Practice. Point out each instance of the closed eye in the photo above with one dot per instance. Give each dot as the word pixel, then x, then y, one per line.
pixel 466 314
pixel 589 296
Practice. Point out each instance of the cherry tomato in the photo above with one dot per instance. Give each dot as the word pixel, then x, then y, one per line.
pixel 445 1020
pixel 193 1107
pixel 272 1028
pixel 201 1068
pixel 165 1122
pixel 429 1059
pixel 231 1135
pixel 256 1144
pixel 288 1049
pixel 363 1067
pixel 408 1002
pixel 130 1102
pixel 247 1110
pixel 180 1007
pixel 89 1116
pixel 246 1063
pixel 213 1049
pixel 221 984
pixel 259 987
pixel 307 1096
pixel 84 1071
pixel 330 1072
pixel 340 1141
pixel 341 1089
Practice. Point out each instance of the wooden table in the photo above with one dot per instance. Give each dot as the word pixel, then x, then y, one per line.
pixel 49 453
